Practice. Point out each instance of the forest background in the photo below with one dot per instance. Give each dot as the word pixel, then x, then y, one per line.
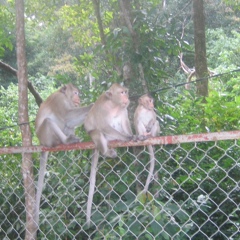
pixel 148 45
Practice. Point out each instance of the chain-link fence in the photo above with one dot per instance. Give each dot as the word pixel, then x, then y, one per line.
pixel 194 192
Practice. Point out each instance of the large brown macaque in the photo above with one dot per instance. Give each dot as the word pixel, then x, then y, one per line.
pixel 145 123
pixel 55 123
pixel 107 120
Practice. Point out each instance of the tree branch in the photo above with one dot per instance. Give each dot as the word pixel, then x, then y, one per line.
pixel 96 5
pixel 13 71
pixel 8 68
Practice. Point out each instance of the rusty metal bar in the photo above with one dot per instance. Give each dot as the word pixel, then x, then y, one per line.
pixel 163 140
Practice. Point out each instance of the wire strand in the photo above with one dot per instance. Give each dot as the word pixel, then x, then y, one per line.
pixel 185 83
pixel 152 92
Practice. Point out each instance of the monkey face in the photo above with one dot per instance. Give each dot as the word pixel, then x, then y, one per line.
pixel 76 98
pixel 124 98
pixel 147 102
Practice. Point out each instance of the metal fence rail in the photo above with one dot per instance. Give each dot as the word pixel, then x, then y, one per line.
pixel 194 193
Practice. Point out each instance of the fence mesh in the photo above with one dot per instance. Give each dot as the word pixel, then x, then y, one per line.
pixel 194 193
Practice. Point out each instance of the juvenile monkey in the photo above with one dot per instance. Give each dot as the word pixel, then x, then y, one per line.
pixel 55 124
pixel 145 123
pixel 145 119
pixel 107 120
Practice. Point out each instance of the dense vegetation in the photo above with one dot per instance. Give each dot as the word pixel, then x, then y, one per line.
pixel 66 43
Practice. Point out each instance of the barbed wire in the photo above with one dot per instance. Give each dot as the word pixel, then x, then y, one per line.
pixel 152 92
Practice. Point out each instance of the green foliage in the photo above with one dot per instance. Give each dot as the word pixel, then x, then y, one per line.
pixel 63 40
pixel 5 37
pixel 223 49
pixel 11 197
pixel 10 136
pixel 186 113
pixel 12 193
pixel 82 15
pixel 233 3
pixel 65 182
pixel 143 218
pixel 10 131
pixel 156 45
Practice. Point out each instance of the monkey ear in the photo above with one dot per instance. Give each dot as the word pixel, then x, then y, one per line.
pixel 149 95
pixel 63 89
pixel 108 94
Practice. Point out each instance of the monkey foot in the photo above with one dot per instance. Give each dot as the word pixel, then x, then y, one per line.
pixel 111 153
pixel 136 138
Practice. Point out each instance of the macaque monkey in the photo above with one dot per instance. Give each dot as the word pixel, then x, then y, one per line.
pixel 145 123
pixel 55 123
pixel 145 119
pixel 107 120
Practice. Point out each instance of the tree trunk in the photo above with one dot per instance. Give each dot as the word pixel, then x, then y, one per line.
pixel 125 6
pixel 200 47
pixel 96 5
pixel 27 163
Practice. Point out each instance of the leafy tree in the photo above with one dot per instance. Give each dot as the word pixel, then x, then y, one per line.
pixel 64 40
pixel 6 38
pixel 223 50
pixel 6 27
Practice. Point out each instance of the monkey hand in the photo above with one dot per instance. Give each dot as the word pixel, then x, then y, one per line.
pixel 142 137
pixel 72 139
pixel 136 138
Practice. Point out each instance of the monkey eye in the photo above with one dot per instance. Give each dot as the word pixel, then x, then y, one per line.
pixel 76 93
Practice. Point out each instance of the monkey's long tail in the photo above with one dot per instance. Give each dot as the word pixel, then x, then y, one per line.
pixel 151 168
pixel 42 170
pixel 92 180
